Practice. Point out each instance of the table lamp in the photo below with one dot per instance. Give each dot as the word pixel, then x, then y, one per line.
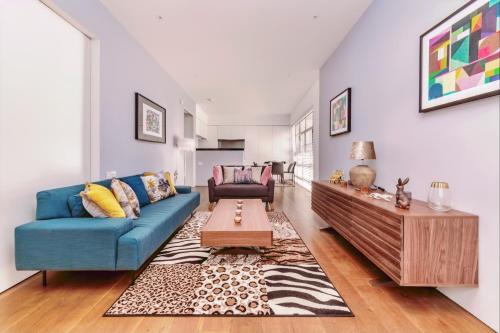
pixel 362 176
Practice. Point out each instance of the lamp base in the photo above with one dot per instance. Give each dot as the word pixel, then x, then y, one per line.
pixel 362 176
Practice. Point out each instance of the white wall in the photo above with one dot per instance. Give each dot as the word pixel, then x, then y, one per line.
pixel 44 115
pixel 266 137
pixel 310 102
pixel 379 59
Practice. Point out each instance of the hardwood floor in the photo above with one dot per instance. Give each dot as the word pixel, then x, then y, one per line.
pixel 75 301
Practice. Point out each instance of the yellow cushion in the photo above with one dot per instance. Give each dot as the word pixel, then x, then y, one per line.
pixel 170 182
pixel 167 177
pixel 105 199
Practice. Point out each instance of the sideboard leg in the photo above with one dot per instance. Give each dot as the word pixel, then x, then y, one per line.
pixel 44 278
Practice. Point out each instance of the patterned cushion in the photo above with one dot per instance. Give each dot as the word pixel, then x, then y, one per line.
pixel 92 208
pixel 217 174
pixel 104 199
pixel 76 206
pixel 256 173
pixel 157 188
pixel 266 174
pixel 243 176
pixel 126 197
pixel 229 174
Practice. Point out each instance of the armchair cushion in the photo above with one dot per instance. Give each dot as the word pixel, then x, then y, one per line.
pixel 240 190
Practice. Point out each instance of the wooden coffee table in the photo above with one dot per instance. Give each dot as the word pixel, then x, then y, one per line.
pixel 254 230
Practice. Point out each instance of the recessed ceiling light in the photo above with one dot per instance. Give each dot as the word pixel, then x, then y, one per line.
pixel 159 17
pixel 209 100
pixel 315 16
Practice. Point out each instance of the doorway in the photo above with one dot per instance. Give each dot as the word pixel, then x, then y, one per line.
pixel 188 154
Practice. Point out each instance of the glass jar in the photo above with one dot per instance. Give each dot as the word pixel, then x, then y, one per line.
pixel 439 196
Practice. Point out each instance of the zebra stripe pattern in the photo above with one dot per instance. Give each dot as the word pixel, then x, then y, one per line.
pixel 302 290
pixel 182 251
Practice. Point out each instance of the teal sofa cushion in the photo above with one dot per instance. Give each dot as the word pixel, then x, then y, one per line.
pixel 183 189
pixel 69 244
pixel 53 204
pixel 157 223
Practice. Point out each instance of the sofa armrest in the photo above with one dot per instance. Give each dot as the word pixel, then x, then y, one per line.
pixel 211 192
pixel 69 243
pixel 183 189
pixel 270 190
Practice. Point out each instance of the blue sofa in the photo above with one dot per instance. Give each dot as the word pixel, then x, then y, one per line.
pixel 59 241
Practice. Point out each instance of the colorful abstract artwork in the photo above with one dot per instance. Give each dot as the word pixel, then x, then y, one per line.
pixel 340 113
pixel 459 57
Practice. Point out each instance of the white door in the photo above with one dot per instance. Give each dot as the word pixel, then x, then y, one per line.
pixel 44 115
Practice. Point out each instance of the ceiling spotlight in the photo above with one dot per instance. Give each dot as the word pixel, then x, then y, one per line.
pixel 160 17
pixel 209 100
pixel 315 17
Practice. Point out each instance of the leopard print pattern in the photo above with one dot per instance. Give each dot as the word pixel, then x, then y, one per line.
pixel 231 289
pixel 160 290
pixel 192 228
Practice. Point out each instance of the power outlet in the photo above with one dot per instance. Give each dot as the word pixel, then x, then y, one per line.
pixel 110 174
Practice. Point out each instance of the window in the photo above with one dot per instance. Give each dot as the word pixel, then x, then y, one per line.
pixel 302 148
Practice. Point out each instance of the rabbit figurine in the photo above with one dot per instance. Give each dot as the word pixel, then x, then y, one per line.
pixel 402 200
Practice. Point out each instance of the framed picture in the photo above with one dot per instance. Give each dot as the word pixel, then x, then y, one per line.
pixel 340 113
pixel 149 120
pixel 459 57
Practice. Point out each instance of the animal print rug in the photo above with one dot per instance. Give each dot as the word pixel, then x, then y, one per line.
pixel 187 279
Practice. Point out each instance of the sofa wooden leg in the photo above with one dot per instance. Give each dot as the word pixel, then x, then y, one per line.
pixel 211 206
pixel 269 207
pixel 44 278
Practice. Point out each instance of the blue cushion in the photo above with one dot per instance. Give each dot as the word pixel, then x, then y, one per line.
pixel 76 206
pixel 69 244
pixel 137 185
pixel 158 221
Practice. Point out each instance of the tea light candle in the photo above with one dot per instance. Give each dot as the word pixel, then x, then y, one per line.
pixel 239 201
pixel 238 212
pixel 237 219
pixel 239 206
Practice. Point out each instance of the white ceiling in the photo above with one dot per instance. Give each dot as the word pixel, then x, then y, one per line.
pixel 248 56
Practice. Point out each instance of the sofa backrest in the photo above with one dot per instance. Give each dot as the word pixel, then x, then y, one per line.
pixel 52 204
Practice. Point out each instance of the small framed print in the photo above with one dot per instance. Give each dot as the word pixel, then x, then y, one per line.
pixel 149 120
pixel 340 113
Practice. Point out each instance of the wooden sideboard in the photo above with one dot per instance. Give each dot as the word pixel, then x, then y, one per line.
pixel 415 247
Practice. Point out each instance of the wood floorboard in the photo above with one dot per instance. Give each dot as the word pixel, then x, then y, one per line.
pixel 75 301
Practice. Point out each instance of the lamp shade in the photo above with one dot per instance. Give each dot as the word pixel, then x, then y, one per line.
pixel 363 150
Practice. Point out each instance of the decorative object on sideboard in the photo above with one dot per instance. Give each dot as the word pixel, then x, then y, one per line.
pixel 150 120
pixel 403 199
pixel 343 183
pixel 337 177
pixel 362 176
pixel 459 58
pixel 439 196
pixel 380 196
pixel 340 113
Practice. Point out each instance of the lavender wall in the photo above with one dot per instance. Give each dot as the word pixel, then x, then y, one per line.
pixel 379 60
pixel 127 68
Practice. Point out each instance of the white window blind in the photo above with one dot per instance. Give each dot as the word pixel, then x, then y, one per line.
pixel 302 147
